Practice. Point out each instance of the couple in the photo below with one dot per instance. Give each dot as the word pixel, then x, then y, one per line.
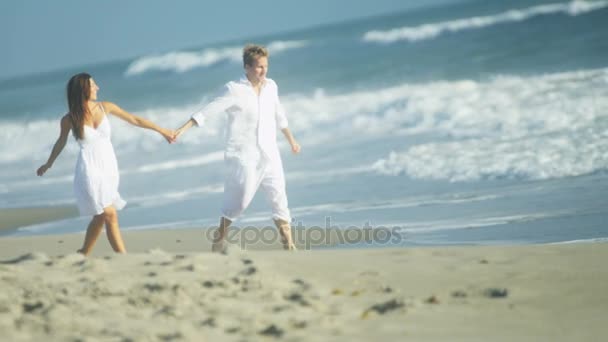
pixel 252 158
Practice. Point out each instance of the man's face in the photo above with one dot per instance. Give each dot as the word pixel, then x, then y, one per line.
pixel 256 72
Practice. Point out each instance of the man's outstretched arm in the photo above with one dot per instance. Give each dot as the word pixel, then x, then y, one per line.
pixel 295 147
pixel 186 126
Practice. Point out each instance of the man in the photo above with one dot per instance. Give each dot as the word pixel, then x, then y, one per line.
pixel 252 158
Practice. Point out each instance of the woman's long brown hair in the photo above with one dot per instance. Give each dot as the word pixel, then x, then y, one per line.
pixel 79 92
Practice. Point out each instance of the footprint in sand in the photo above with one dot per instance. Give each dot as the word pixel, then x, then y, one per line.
pixel 31 308
pixel 297 298
pixel 303 285
pixel 209 322
pixel 190 268
pixel 248 271
pixel 459 294
pixel 272 330
pixel 383 308
pixel 211 284
pixel 41 257
pixel 152 287
pixel 495 292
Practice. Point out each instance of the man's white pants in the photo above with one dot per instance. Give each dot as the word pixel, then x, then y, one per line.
pixel 243 180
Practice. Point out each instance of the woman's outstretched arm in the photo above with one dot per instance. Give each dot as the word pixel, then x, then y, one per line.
pixel 66 126
pixel 135 120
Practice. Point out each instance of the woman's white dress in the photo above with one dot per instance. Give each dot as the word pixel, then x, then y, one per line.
pixel 96 176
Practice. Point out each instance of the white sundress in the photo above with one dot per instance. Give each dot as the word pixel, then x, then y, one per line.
pixel 96 176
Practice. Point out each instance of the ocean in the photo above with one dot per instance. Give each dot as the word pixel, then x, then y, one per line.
pixel 477 122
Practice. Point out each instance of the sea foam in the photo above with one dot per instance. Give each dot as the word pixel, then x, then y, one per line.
pixel 507 126
pixel 183 61
pixel 433 30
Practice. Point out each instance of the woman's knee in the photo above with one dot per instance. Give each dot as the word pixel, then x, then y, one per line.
pixel 99 218
pixel 110 215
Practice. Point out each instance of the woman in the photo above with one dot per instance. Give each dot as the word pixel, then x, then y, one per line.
pixel 96 176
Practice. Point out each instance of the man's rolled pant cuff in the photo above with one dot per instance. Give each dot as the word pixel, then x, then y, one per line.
pixel 282 219
pixel 229 218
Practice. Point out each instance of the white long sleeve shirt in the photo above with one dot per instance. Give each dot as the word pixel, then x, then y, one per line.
pixel 252 120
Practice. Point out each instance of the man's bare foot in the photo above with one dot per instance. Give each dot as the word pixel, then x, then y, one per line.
pixel 290 247
pixel 218 247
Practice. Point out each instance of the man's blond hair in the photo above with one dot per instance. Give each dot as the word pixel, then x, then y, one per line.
pixel 252 52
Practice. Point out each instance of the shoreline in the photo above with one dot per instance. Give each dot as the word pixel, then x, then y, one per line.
pixel 13 218
pixel 198 239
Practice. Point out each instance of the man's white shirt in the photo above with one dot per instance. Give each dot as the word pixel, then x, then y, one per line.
pixel 252 119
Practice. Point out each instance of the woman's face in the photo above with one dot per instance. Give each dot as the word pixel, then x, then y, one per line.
pixel 94 89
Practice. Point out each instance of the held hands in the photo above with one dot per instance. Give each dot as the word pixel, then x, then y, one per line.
pixel 169 135
pixel 183 128
pixel 42 169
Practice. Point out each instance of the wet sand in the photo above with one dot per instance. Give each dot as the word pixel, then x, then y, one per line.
pixel 12 218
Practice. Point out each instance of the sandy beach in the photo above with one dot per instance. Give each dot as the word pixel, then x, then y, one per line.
pixel 443 164
pixel 170 288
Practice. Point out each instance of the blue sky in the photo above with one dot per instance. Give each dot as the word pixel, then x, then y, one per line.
pixel 43 35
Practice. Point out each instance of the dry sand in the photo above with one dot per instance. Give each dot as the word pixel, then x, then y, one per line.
pixel 179 292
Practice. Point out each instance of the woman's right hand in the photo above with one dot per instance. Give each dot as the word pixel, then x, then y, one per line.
pixel 42 169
